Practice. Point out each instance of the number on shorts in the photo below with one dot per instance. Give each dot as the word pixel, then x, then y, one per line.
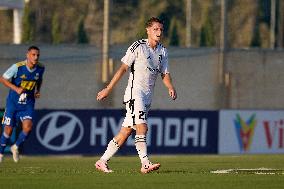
pixel 142 115
pixel 7 121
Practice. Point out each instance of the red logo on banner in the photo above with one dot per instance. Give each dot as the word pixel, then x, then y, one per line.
pixel 274 131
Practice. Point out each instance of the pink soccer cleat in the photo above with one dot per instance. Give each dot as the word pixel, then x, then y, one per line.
pixel 147 168
pixel 102 166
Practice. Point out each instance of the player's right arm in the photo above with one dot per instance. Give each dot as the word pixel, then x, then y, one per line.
pixel 117 76
pixel 5 79
pixel 8 84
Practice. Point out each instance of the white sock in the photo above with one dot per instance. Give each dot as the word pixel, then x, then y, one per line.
pixel 112 148
pixel 141 147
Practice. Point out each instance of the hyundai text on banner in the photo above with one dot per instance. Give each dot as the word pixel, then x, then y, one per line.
pixel 89 131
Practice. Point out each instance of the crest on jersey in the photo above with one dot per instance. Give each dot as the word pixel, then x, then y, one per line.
pixel 23 76
pixel 36 76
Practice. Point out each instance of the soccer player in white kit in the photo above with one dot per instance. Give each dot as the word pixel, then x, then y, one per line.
pixel 146 59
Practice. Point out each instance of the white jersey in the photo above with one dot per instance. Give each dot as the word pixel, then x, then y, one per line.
pixel 145 65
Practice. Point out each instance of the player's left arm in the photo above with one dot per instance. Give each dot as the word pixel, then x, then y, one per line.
pixel 167 80
pixel 38 87
pixel 39 84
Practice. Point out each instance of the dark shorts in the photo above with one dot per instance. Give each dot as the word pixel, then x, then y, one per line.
pixel 14 114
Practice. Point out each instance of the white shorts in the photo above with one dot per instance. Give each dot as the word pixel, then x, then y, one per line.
pixel 136 112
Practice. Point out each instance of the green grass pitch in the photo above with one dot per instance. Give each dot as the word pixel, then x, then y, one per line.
pixel 176 172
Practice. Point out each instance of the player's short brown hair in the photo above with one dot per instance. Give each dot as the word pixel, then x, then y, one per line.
pixel 150 22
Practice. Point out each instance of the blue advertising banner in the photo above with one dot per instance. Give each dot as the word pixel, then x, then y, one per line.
pixel 89 131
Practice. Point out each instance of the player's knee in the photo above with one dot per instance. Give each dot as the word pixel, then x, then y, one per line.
pixel 122 136
pixel 27 126
pixel 126 134
pixel 8 130
pixel 141 129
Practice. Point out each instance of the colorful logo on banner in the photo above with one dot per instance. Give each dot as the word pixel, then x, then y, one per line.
pixel 245 131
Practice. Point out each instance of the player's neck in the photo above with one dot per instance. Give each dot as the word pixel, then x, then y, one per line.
pixel 30 65
pixel 153 44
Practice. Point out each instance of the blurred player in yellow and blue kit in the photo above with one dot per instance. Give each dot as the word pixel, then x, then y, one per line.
pixel 24 80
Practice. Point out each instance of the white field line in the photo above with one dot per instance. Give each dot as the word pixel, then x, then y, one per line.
pixel 258 171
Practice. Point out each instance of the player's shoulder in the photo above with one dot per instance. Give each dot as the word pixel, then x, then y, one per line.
pixel 20 64
pixel 40 65
pixel 160 45
pixel 136 44
pixel 163 49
